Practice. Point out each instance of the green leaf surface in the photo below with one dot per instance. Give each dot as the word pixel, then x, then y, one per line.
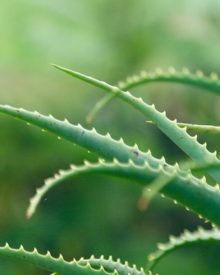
pixel 186 189
pixel 186 239
pixel 178 135
pixel 199 80
pixel 207 129
pixel 205 201
pixel 52 264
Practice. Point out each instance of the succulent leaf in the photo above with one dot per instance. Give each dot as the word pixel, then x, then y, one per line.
pixel 158 183
pixel 187 238
pixel 198 79
pixel 102 145
pixel 110 265
pixel 186 189
pixel 192 197
pixel 178 135
pixel 208 129
pixel 49 263
pixel 210 83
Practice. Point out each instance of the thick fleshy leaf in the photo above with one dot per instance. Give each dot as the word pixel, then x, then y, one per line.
pixel 187 238
pixel 194 194
pixel 178 135
pixel 49 263
pixel 198 80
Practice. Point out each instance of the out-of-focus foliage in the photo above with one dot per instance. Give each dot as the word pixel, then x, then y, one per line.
pixel 107 39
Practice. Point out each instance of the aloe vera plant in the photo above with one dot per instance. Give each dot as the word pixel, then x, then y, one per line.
pixel 116 158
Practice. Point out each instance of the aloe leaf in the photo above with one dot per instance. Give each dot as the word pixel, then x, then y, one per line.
pixel 208 129
pixel 198 79
pixel 90 139
pixel 210 83
pixel 49 263
pixel 102 145
pixel 186 239
pixel 110 265
pixel 113 168
pixel 109 148
pixel 150 191
pixel 178 135
pixel 100 167
pixel 187 190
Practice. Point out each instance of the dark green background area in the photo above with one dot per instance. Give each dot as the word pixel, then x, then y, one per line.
pixel 108 40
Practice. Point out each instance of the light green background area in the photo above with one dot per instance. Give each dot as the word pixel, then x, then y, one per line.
pixel 108 40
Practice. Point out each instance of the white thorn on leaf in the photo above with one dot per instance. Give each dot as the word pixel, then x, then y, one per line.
pixel 199 73
pixel 214 76
pixel 115 161
pixel 72 166
pixel 135 146
pixel 87 163
pixel 171 70
pixel 217 187
pixel 21 247
pixel 108 135
pixel 121 140
pixel 143 74
pixel 61 257
pixel 186 71
pixel 121 84
pixel 161 246
pixel 66 121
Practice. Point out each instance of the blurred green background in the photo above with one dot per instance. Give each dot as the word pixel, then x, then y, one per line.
pixel 108 40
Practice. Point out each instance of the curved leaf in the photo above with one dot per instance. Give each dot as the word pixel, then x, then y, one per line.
pixel 105 146
pixel 102 145
pixel 210 83
pixel 199 80
pixel 149 192
pixel 208 129
pixel 178 135
pixel 52 264
pixel 187 238
pixel 189 191
pixel 110 265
